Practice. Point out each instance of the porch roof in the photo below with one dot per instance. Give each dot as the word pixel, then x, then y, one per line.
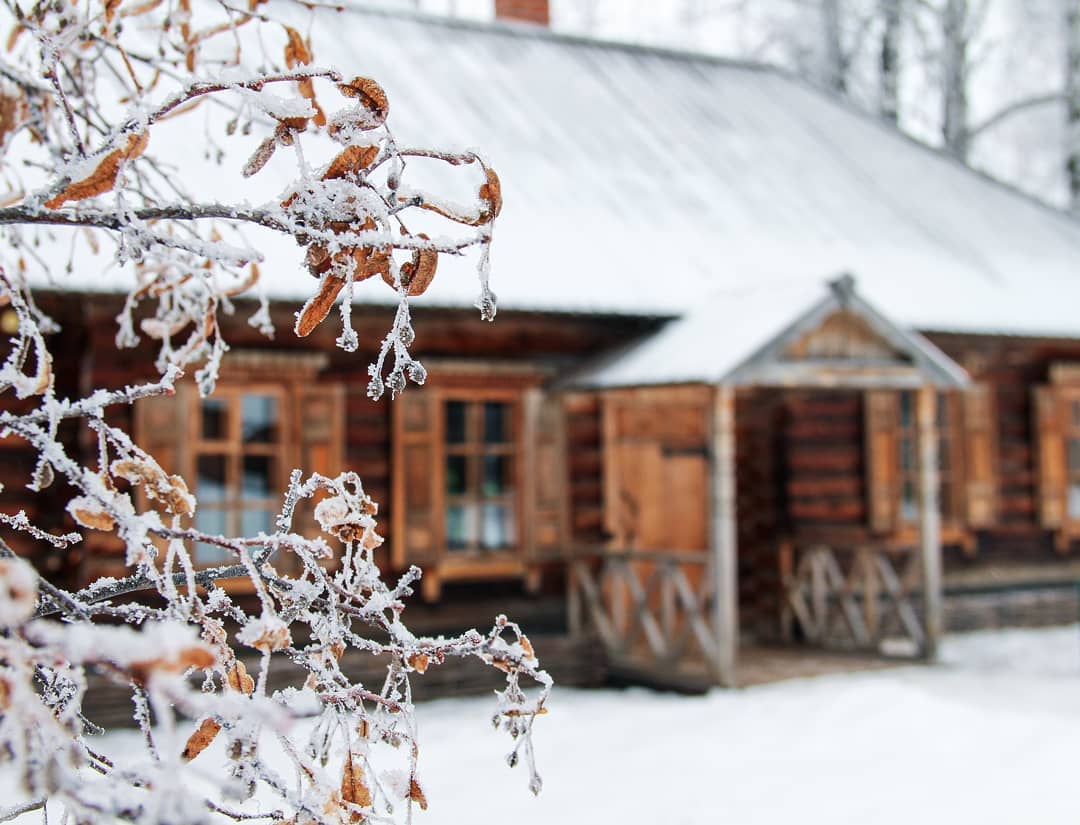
pixel 743 338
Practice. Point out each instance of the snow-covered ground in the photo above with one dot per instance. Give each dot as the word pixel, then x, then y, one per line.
pixel 989 735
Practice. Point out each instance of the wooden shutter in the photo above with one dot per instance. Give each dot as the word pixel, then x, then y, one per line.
pixel 980 452
pixel 417 476
pixel 882 476
pixel 162 428
pixel 319 428
pixel 1051 457
pixel 546 480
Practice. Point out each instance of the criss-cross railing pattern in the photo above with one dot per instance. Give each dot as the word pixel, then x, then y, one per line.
pixel 856 598
pixel 651 609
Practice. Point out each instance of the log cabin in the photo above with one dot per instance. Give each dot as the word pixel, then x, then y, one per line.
pixel 688 431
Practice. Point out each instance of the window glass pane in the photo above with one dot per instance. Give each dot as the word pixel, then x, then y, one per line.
pixel 498 526
pixel 215 422
pixel 497 479
pixel 455 422
pixel 907 455
pixel 211 522
pixel 1074 499
pixel 945 497
pixel 258 478
pixel 943 455
pixel 253 522
pixel 258 419
pixel 909 502
pixel 455 475
pixel 907 409
pixel 461 530
pixel 1074 454
pixel 942 411
pixel 211 478
pixel 496 422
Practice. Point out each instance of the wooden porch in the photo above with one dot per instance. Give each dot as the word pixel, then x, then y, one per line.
pixel 665 595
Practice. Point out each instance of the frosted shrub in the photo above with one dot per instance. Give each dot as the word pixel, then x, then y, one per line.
pixel 84 89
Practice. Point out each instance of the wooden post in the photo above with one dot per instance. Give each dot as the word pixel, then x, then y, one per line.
pixel 930 518
pixel 722 536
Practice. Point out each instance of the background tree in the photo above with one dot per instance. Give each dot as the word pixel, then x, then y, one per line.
pixel 93 104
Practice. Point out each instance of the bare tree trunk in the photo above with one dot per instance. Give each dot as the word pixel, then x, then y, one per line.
pixel 835 60
pixel 954 77
pixel 1071 10
pixel 889 65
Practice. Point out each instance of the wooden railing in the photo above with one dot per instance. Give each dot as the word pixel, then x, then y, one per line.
pixel 652 610
pixel 862 598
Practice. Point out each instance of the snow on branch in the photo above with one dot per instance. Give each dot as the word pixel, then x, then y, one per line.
pixel 85 90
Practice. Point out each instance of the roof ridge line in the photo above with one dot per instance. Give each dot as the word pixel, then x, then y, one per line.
pixel 530 30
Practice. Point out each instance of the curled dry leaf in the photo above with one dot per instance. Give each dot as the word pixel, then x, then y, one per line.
pixel 353 788
pixel 318 306
pixel 200 740
pixel 197 656
pixel 297 52
pixel 419 662
pixel 236 676
pixel 371 96
pixel 417 274
pixel 350 161
pixel 260 157
pixel 416 793
pixel 90 513
pixel 492 193
pixel 103 178
pixel 18 591
pixel 5 694
pixel 13 113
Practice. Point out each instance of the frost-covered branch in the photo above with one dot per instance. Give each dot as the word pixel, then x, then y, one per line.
pixel 88 94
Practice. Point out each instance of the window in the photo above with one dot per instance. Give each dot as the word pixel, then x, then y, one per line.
pixel 479 475
pixel 478 479
pixel 1057 420
pixel 270 412
pixel 907 442
pixel 966 449
pixel 239 458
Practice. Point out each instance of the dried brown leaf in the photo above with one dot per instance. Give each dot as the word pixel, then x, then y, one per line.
pixel 200 740
pixel 353 787
pixel 351 161
pixel 260 157
pixel 419 662
pixel 370 94
pixel 103 178
pixel 492 193
pixel 96 519
pixel 527 647
pixel 296 50
pixel 13 37
pixel 416 793
pixel 318 306
pixel 238 679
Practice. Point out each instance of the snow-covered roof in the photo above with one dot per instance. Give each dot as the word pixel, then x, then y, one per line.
pixel 639 180
pixel 741 338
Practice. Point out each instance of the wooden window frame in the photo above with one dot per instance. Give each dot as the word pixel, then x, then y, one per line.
pixel 234 449
pixel 886 473
pixel 472 563
pixel 419 498
pixel 1055 409
pixel 291 378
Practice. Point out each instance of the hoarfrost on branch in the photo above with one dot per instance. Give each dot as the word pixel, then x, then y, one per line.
pixel 85 88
